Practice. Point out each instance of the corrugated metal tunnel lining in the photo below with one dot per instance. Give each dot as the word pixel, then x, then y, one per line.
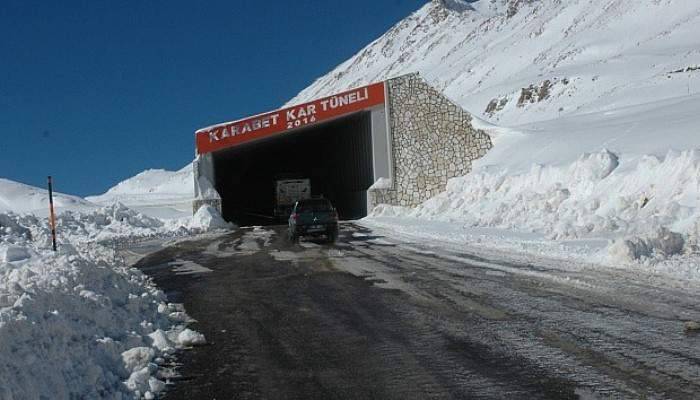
pixel 336 157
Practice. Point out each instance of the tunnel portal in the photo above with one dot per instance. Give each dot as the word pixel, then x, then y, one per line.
pixel 336 157
pixel 338 143
pixel 396 142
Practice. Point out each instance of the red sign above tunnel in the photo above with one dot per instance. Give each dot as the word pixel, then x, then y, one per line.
pixel 234 133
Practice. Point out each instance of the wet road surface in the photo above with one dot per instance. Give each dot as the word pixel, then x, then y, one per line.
pixel 378 318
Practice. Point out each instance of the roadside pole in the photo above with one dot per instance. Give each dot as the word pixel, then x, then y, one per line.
pixel 52 215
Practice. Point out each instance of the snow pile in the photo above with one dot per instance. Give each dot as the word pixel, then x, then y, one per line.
pixel 107 223
pixel 640 202
pixel 75 325
pixel 117 221
pixel 208 218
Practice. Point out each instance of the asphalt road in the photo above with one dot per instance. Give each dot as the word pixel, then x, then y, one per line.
pixel 380 318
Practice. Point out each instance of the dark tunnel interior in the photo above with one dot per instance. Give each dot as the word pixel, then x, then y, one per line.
pixel 336 157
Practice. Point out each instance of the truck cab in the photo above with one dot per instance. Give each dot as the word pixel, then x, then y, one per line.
pixel 287 192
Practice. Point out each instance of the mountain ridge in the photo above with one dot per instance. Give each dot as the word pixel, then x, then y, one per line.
pixel 527 61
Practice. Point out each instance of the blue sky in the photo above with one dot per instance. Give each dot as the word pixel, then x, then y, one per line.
pixel 96 91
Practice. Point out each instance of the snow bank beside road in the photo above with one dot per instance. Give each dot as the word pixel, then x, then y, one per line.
pixel 638 202
pixel 75 325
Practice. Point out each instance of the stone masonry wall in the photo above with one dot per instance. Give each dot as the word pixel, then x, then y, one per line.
pixel 433 140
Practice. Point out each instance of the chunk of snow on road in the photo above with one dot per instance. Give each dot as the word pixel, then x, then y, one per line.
pixel 137 358
pixel 161 341
pixel 180 316
pixel 189 337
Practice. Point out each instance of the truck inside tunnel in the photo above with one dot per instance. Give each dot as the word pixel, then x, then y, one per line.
pixel 336 157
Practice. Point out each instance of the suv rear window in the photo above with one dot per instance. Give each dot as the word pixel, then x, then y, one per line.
pixel 314 205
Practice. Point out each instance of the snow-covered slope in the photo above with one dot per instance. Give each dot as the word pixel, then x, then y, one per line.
pixel 520 61
pixel 153 185
pixel 591 104
pixel 20 198
pixel 156 192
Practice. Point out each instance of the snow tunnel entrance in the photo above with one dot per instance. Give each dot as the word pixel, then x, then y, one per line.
pixel 336 157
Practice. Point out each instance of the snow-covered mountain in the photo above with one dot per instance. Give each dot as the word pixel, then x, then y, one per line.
pixel 150 185
pixel 591 104
pixel 155 192
pixel 20 198
pixel 514 62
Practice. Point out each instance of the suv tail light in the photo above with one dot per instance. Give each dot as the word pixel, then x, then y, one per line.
pixel 334 214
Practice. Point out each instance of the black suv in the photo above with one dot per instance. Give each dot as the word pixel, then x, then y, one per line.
pixel 313 217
